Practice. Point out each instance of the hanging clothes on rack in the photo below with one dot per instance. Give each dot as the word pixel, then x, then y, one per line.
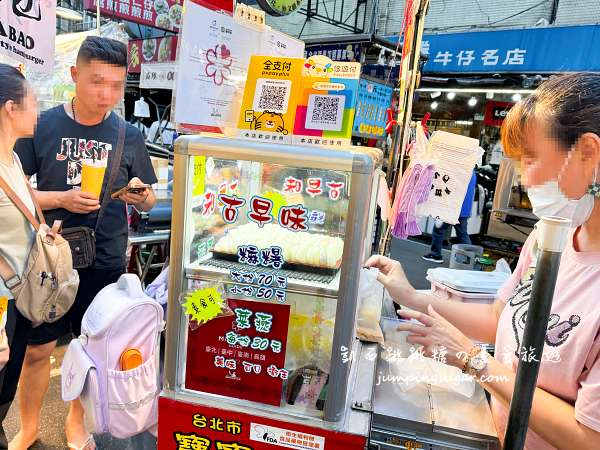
pixel 413 187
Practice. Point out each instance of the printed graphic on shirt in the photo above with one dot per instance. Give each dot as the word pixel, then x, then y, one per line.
pixel 73 150
pixel 558 330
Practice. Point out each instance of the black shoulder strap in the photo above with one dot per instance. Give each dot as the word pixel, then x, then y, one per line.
pixel 114 170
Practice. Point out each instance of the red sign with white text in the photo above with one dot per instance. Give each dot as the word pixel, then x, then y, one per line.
pixel 495 112
pixel 186 426
pixel 151 50
pixel 163 14
pixel 243 355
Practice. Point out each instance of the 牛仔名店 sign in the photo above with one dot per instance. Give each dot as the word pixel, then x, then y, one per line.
pixel 28 32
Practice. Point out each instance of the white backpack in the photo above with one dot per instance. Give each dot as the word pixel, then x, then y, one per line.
pixel 122 403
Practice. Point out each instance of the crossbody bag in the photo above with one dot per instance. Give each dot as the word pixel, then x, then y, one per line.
pixel 82 240
pixel 46 289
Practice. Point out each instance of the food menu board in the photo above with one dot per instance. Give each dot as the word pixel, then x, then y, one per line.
pixel 164 14
pixel 142 51
pixel 242 355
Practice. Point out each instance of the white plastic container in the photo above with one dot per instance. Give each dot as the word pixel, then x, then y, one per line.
pixel 448 293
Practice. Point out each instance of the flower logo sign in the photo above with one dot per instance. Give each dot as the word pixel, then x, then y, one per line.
pixel 218 66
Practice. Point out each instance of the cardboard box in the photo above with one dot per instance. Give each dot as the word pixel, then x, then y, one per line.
pixel 161 169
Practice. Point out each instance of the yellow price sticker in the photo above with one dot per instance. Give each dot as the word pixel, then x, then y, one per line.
pixel 204 305
pixel 199 176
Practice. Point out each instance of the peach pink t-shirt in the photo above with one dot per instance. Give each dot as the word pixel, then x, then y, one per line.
pixel 570 364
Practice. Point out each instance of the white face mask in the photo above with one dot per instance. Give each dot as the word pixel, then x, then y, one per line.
pixel 549 200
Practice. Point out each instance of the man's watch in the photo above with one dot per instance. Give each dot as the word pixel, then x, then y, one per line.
pixel 477 361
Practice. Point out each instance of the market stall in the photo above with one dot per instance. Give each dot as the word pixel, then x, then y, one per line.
pixel 273 218
pixel 283 366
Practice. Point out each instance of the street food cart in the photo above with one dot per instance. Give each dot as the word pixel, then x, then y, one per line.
pixel 280 233
pixel 277 234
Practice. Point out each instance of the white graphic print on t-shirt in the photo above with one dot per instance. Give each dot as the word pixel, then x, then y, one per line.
pixel 74 150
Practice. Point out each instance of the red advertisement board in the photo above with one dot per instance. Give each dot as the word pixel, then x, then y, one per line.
pixel 143 51
pixel 186 426
pixel 243 355
pixel 163 14
pixel 495 112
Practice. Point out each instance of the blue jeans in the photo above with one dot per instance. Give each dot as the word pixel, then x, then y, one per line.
pixel 438 235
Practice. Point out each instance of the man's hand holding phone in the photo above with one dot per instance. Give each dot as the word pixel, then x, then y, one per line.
pixel 135 193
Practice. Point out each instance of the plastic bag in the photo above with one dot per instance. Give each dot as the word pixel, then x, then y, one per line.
pixel 502 266
pixel 370 295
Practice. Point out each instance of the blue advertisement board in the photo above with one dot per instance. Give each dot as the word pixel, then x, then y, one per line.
pixel 536 50
pixel 374 98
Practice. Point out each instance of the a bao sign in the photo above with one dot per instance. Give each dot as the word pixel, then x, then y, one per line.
pixel 495 113
pixel 28 31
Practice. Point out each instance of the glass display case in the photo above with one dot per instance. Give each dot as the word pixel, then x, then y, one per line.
pixel 280 233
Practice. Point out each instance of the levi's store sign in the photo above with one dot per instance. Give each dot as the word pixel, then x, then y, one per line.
pixel 495 113
pixel 28 31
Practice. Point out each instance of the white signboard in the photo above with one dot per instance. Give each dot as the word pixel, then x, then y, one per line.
pixel 28 32
pixel 213 57
pixel 276 43
pixel 285 438
pixel 214 54
pixel 158 76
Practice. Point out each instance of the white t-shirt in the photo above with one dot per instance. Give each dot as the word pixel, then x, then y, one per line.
pixel 16 233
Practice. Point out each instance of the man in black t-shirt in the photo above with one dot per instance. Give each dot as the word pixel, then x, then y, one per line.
pixel 84 128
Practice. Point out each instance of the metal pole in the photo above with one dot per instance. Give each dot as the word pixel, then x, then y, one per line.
pixel 98 16
pixel 398 149
pixel 552 237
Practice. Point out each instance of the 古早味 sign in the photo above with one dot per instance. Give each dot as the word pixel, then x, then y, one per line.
pixel 28 31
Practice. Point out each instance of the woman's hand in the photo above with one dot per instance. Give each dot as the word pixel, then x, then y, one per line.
pixel 392 276
pixel 437 336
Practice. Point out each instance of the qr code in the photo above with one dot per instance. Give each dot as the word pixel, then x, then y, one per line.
pixel 272 95
pixel 325 112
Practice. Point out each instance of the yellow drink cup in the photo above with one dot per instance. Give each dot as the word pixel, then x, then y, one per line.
pixel 92 176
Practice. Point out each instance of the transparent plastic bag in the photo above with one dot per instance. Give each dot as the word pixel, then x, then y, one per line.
pixel 370 295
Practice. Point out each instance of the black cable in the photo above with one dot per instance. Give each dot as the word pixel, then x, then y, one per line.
pixel 520 12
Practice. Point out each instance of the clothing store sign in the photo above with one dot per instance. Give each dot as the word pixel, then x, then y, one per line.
pixel 28 31
pixel 158 76
pixel 495 113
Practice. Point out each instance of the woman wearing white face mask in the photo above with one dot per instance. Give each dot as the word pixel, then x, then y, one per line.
pixel 555 135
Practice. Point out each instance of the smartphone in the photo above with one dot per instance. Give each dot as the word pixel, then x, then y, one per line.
pixel 137 189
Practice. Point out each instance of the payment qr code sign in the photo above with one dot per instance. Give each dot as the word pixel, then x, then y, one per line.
pixel 325 112
pixel 270 98
pixel 272 95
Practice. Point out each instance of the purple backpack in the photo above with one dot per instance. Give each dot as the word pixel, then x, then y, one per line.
pixel 122 403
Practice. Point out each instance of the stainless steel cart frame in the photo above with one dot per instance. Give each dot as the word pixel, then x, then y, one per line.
pixel 363 166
